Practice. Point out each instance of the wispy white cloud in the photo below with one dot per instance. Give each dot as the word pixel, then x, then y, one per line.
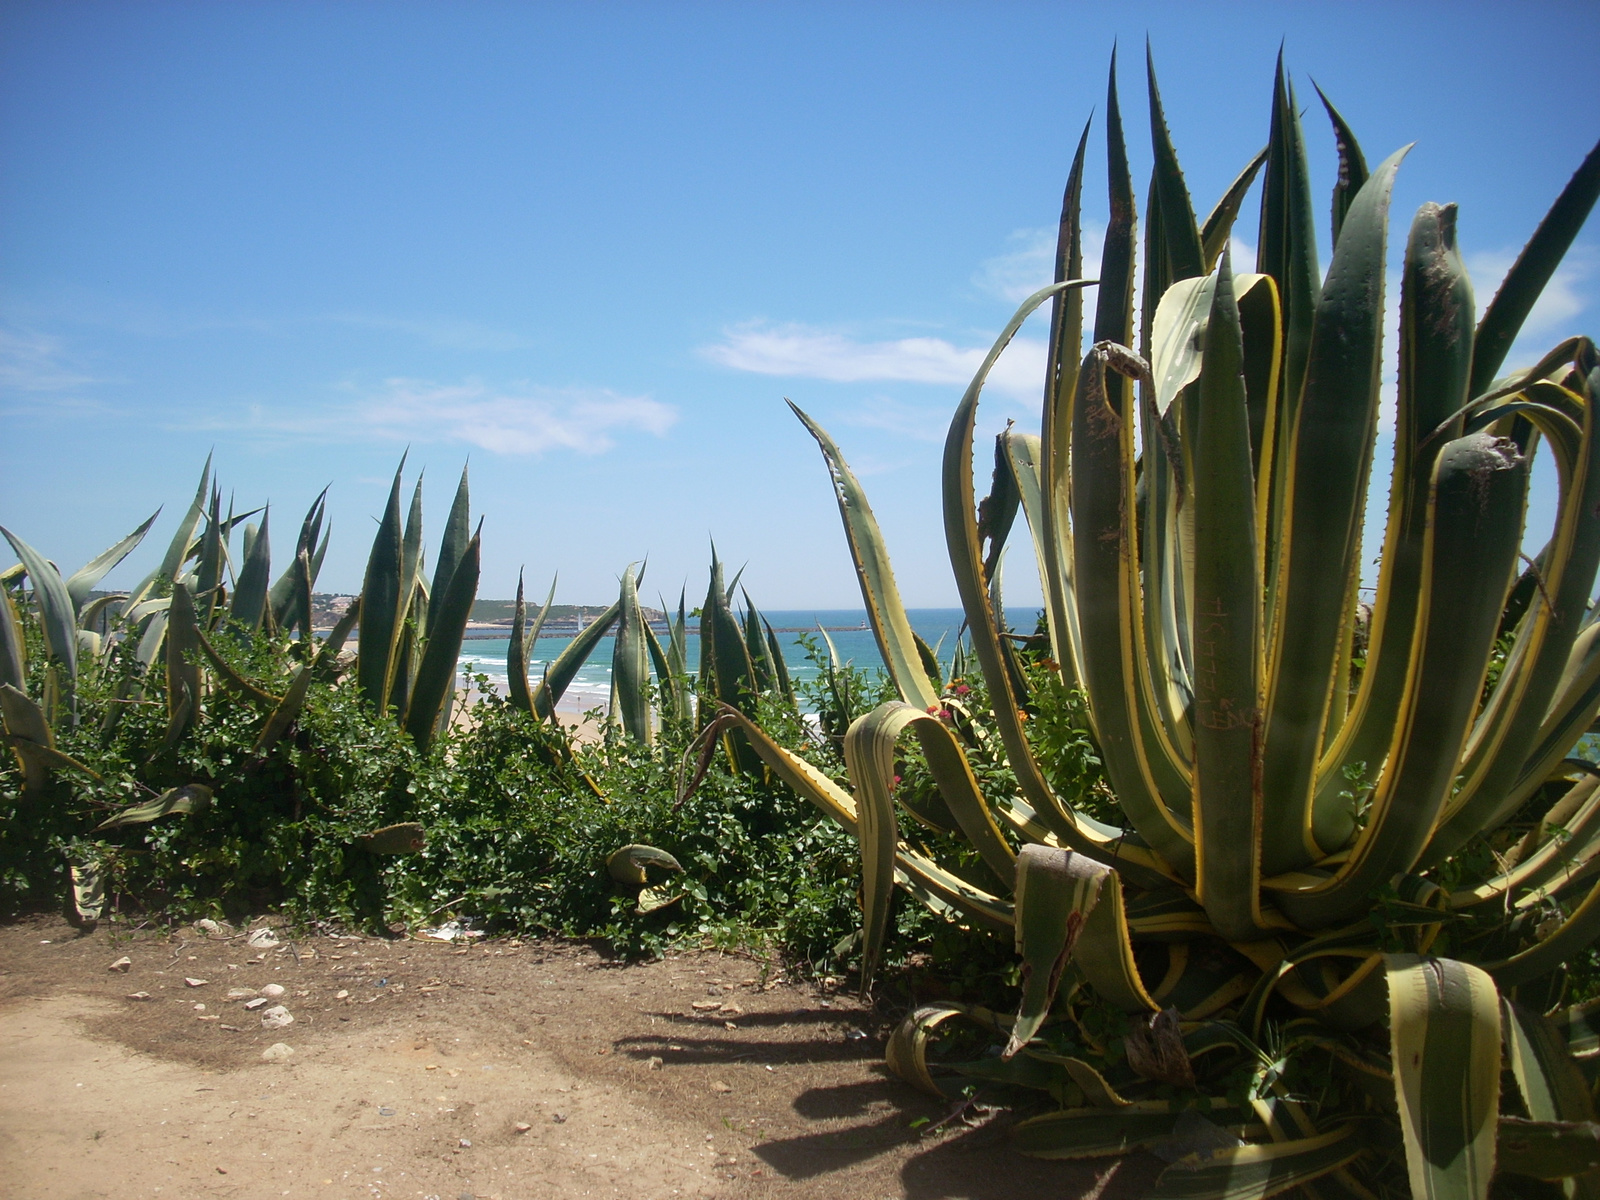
pixel 446 332
pixel 1030 263
pixel 919 423
pixel 37 362
pixel 807 352
pixel 521 419
pixel 1564 297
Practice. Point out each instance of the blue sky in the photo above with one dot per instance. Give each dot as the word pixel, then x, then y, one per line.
pixel 593 247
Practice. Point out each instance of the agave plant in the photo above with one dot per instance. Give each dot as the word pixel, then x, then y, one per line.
pixel 411 633
pixel 1333 816
pixel 170 624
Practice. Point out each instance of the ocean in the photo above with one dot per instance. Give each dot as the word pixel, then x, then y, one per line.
pixel 848 628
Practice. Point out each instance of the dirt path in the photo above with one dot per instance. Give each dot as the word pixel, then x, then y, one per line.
pixel 424 1071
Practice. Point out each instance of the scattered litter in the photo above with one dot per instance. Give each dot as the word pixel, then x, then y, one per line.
pixel 705 1005
pixel 276 1017
pixel 240 993
pixel 341 994
pixel 210 1017
pixel 719 1086
pixel 258 1002
pixel 122 964
pixel 386 1112
pixel 199 1008
pixel 231 1028
pixel 192 982
pixel 731 1010
pixel 262 939
pixel 855 1035
pixel 522 1127
pixel 654 1063
pixel 138 995
pixel 274 990
pixel 451 931
pixel 559 1118
pixel 277 1052
pixel 729 1025
pixel 207 925
pixel 431 1067
pixel 465 1143
pixel 222 1170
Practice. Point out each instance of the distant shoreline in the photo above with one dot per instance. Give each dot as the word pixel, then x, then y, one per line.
pixel 483 631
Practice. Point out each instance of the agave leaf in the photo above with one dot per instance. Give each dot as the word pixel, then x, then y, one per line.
pixel 1178 333
pixel 630 864
pixel 1050 522
pixel 452 547
pixel 1255 1172
pixel 384 597
pixel 1286 243
pixel 1444 1028
pixel 250 588
pixel 1506 731
pixel 183 672
pixel 561 672
pixel 523 640
pixel 1140 763
pixel 726 672
pixel 653 899
pixel 23 718
pixel 58 616
pixel 765 674
pixel 335 640
pixel 630 664
pixel 92 610
pixel 1352 164
pixel 232 677
pixel 288 709
pixel 877 830
pixel 1055 891
pixel 1332 433
pixel 890 626
pixel 88 892
pixel 1552 1086
pixel 1105 953
pixel 191 798
pixel 406 838
pixel 82 581
pixel 178 549
pixel 1547 1149
pixel 907 1051
pixel 154 637
pixel 1526 280
pixel 1573 935
pixel 785 686
pixel 436 674
pixel 284 596
pixel 1219 225
pixel 671 693
pixel 13 646
pixel 1436 310
pixel 209 565
pixel 1226 633
pixel 1182 248
pixel 1076 1133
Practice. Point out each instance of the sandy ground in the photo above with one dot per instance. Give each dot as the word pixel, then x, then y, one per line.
pixel 427 1071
